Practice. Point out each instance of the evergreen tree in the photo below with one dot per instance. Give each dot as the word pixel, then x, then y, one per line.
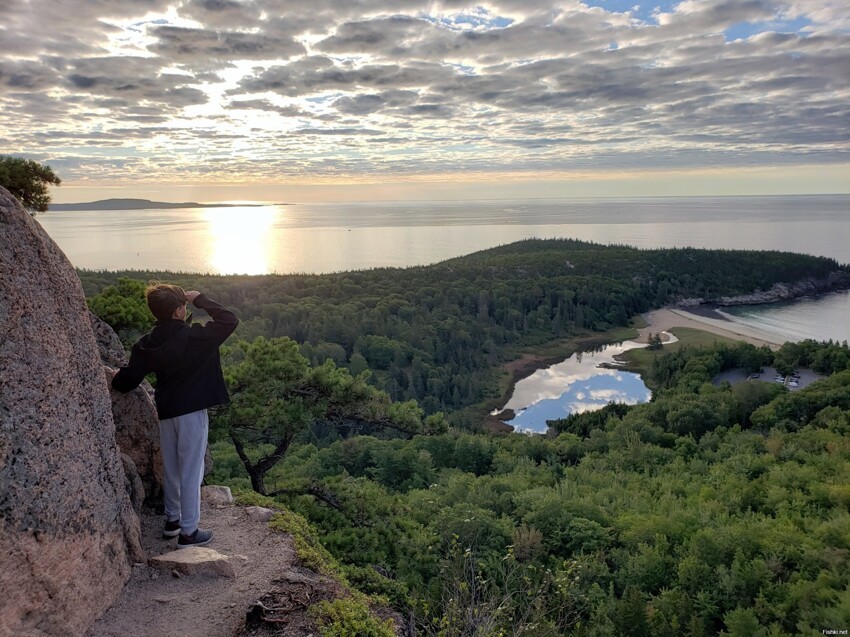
pixel 28 182
pixel 276 394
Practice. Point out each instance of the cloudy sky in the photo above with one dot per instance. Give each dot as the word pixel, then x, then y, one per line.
pixel 278 99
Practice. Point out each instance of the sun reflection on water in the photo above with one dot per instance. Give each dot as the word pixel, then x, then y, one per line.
pixel 240 240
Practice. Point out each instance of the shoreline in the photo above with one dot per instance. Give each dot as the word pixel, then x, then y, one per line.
pixel 659 321
pixel 664 319
pixel 706 317
pixel 129 205
pixel 710 317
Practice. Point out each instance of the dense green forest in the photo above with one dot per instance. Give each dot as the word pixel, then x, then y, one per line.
pixel 711 510
pixel 437 334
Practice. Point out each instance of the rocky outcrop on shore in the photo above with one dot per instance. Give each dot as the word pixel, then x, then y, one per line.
pixel 779 292
pixel 68 533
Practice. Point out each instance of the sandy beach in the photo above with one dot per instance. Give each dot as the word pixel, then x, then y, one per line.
pixel 664 319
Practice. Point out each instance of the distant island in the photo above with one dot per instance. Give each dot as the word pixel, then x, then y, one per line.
pixel 141 204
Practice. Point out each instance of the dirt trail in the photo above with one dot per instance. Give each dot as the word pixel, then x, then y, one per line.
pixel 157 603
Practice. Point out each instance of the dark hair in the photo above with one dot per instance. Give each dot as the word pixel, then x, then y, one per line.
pixel 163 299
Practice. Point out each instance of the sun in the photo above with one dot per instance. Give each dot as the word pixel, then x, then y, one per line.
pixel 240 239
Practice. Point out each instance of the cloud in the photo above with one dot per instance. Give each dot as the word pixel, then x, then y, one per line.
pixel 705 17
pixel 367 103
pixel 344 132
pixel 17 75
pixel 223 14
pixel 318 74
pixel 188 46
pixel 132 78
pixel 266 105
pixel 391 35
pixel 371 88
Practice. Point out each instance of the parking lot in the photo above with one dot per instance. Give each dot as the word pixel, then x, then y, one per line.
pixel 804 377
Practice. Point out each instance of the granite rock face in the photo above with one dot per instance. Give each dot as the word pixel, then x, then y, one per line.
pixel 787 291
pixel 108 344
pixel 68 533
pixel 134 413
pixel 777 292
pixel 136 421
pixel 133 483
pixel 137 435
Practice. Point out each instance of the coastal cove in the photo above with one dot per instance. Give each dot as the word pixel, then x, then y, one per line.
pixel 820 318
pixel 824 317
pixel 438 333
pixel 589 379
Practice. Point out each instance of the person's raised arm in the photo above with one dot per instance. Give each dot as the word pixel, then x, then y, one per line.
pixel 223 320
pixel 129 377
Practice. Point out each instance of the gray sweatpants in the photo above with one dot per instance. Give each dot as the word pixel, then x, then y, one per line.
pixel 184 442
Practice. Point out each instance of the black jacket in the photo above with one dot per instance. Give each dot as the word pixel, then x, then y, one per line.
pixel 185 360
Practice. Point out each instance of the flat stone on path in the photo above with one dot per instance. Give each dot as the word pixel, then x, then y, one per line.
pixel 216 495
pixel 196 560
pixel 259 514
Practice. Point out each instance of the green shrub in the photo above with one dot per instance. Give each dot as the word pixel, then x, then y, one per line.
pixel 349 618
pixel 367 580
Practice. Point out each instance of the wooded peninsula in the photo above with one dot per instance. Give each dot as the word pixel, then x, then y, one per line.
pixel 141 204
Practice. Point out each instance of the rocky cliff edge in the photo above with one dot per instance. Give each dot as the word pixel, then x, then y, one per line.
pixel 68 534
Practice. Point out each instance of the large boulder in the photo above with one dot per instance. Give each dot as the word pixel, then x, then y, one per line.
pixel 109 346
pixel 137 435
pixel 134 413
pixel 68 533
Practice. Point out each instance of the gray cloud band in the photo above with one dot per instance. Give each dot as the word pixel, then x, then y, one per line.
pixel 528 85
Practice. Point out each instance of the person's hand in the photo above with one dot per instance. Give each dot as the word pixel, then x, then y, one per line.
pixel 192 295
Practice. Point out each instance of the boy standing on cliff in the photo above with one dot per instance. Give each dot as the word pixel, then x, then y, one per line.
pixel 187 365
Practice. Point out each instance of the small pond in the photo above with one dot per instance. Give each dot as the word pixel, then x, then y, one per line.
pixel 576 385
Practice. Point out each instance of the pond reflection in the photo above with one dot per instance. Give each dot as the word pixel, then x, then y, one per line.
pixel 576 385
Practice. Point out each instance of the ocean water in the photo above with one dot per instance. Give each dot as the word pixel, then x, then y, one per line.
pixel 321 238
pixel 820 318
